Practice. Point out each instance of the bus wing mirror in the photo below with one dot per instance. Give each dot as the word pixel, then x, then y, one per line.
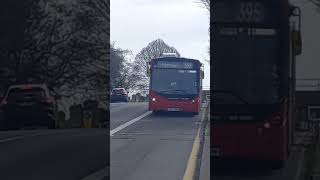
pixel 148 72
pixel 148 69
pixel 295 11
pixel 202 71
pixel 297 42
pixel 296 34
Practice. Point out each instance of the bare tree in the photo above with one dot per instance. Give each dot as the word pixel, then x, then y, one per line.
pixel 67 47
pixel 205 4
pixel 153 50
pixel 120 69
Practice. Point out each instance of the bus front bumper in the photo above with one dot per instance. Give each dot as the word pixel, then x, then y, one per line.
pixel 181 106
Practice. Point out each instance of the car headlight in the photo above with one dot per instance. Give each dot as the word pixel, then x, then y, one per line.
pixel 154 99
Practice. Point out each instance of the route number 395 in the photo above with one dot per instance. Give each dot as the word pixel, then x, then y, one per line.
pixel 251 12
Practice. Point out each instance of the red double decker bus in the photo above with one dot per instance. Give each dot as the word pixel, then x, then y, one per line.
pixel 175 84
pixel 254 44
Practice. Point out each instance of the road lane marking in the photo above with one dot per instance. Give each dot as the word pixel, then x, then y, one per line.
pixel 11 139
pixel 190 172
pixel 99 175
pixel 24 136
pixel 44 134
pixel 119 128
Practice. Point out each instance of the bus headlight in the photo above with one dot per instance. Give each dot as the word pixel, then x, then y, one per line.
pixel 193 101
pixel 267 125
pixel 154 100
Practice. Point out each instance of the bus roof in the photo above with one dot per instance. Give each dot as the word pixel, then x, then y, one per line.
pixel 175 58
pixel 170 55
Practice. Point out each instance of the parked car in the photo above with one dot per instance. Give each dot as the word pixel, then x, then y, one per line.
pixel 28 105
pixel 119 94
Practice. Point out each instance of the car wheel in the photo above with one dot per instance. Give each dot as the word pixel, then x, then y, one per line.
pixel 51 126
pixel 51 122
pixel 11 123
pixel 5 123
pixel 2 122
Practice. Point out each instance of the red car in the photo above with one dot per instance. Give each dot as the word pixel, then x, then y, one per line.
pixel 119 95
pixel 28 105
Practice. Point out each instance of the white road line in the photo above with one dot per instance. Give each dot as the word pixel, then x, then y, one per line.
pixel 98 175
pixel 11 139
pixel 43 134
pixel 119 128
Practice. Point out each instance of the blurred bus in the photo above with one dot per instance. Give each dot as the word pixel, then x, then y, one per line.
pixel 255 44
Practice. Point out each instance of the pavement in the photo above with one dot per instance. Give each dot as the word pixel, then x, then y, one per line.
pixel 205 158
pixel 64 154
pixel 315 164
pixel 155 147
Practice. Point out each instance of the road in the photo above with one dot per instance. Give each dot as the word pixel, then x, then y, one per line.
pixel 65 154
pixel 157 147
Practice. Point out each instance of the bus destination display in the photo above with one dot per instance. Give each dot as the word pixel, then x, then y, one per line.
pixel 254 12
pixel 174 64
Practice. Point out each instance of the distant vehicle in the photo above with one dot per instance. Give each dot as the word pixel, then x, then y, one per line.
pixel 28 105
pixel 119 95
pixel 175 84
pixel 255 47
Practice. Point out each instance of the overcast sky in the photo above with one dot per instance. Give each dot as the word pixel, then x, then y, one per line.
pixel 308 63
pixel 182 24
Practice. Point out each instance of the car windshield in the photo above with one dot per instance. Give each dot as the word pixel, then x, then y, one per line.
pixel 174 81
pixel 118 91
pixel 21 93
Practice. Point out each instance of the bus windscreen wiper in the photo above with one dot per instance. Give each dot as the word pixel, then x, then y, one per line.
pixel 228 93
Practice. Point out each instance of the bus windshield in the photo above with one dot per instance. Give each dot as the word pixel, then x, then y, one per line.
pixel 252 70
pixel 174 81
